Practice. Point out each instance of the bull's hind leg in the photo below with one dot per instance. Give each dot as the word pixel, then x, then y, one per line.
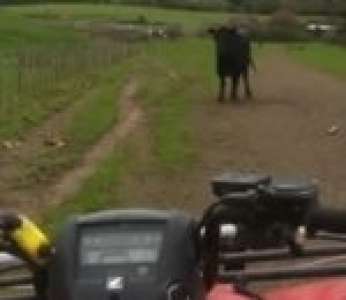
pixel 235 86
pixel 246 82
pixel 222 86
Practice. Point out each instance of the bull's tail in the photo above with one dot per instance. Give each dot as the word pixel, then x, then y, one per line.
pixel 252 64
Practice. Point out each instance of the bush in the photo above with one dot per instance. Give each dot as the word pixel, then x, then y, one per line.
pixel 284 18
pixel 174 31
pixel 280 34
pixel 283 26
pixel 339 36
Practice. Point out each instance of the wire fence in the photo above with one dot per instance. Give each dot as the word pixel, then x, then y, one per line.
pixel 28 75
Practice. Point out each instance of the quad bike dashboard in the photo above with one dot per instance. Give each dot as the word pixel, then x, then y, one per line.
pixel 158 255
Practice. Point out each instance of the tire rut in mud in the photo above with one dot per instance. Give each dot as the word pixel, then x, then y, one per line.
pixel 35 200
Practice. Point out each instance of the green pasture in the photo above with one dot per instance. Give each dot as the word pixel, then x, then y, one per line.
pixel 17 32
pixel 47 67
pixel 42 57
pixel 64 13
pixel 174 78
pixel 23 95
pixel 322 56
pixel 95 113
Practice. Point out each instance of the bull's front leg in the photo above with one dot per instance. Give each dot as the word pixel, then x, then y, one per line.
pixel 235 87
pixel 222 85
pixel 246 81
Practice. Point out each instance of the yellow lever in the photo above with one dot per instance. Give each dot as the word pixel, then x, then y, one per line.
pixel 29 239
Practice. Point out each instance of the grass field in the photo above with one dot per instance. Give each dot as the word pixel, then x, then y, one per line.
pixel 181 79
pixel 35 42
pixel 325 57
pixel 22 101
pixel 178 82
pixel 19 32
pixel 55 82
pixel 64 13
pixel 40 61
pixel 85 77
pixel 49 69
pixel 96 112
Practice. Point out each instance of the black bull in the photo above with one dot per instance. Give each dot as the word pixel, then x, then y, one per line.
pixel 234 57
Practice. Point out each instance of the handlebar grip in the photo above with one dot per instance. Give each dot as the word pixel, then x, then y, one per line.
pixel 327 219
pixel 19 298
pixel 8 220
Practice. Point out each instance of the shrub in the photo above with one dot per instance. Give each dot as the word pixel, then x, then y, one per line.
pixel 284 18
pixel 283 26
pixel 174 31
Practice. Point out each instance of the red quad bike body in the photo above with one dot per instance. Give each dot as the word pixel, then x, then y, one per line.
pixel 321 290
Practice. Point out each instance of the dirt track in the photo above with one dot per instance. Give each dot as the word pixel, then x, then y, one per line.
pixel 36 200
pixel 72 181
pixel 283 131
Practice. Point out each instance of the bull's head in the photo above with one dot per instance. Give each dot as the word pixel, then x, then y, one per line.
pixel 216 30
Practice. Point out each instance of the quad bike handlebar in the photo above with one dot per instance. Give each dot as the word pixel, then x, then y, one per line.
pixel 256 218
pixel 271 220
pixel 327 219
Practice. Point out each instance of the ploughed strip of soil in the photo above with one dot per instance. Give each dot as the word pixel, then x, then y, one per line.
pixel 36 200
pixel 71 182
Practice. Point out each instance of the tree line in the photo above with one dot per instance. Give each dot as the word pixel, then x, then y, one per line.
pixel 312 7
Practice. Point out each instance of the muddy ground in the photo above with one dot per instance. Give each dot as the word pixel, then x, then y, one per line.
pixel 294 126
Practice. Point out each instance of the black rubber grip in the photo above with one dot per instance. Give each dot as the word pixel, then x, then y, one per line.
pixel 9 220
pixel 326 219
pixel 19 298
pixel 23 297
pixel 16 281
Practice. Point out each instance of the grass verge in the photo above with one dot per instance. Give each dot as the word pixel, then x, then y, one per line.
pixel 95 113
pixel 98 192
pixel 66 12
pixel 174 78
pixel 44 67
pixel 325 57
